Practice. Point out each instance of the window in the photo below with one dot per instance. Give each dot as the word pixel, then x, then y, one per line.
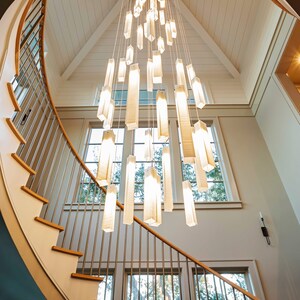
pixel 92 153
pixel 216 186
pixel 105 290
pixel 141 164
pixel 153 285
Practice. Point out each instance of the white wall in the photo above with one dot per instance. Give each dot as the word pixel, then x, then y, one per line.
pixel 234 234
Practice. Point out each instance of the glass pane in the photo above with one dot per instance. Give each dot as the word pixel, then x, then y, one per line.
pixel 139 152
pixel 139 135
pixel 92 167
pixel 96 135
pixel 105 290
pixel 93 153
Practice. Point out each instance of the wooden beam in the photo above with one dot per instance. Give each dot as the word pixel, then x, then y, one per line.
pixel 88 46
pixel 192 20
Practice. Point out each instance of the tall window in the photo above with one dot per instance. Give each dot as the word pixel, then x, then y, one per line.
pixel 92 153
pixel 141 164
pixel 153 285
pixel 216 186
pixel 209 285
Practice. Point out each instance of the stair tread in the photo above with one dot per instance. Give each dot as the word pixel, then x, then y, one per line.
pixel 15 131
pixel 13 97
pixel 86 277
pixel 48 223
pixel 23 164
pixel 67 251
pixel 35 195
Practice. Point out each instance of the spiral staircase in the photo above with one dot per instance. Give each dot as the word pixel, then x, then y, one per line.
pixel 58 236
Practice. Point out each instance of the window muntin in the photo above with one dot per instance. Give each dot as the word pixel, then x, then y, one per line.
pixel 215 178
pixel 91 159
pixel 141 164
pixel 153 285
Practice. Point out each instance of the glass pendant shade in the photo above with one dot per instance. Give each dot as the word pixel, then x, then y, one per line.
pixel 173 29
pixel 167 179
pixel 108 222
pixel 189 206
pixel 128 25
pixel 150 75
pixel 122 70
pixel 104 103
pixel 198 93
pixel 109 73
pixel 129 190
pixel 150 24
pixel 140 37
pixel 107 124
pixel 201 179
pixel 162 18
pixel 161 45
pixel 152 200
pixel 169 34
pixel 132 108
pixel 157 67
pixel 162 3
pixel 162 116
pixel 148 145
pixel 184 125
pixel 203 147
pixel 146 30
pixel 181 80
pixel 129 55
pixel 106 158
pixel 191 73
pixel 137 9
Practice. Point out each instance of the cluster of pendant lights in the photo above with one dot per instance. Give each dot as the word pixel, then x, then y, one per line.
pixel 195 140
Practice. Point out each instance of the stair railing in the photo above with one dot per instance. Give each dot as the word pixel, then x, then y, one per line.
pixel 135 261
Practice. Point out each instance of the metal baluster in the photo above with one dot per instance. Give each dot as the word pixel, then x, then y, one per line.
pixel 140 259
pixel 163 268
pixel 221 288
pixel 179 275
pixel 216 291
pixel 233 289
pixel 124 282
pixel 172 279
pixel 188 277
pixel 147 265
pixel 131 259
pixel 205 280
pixel 107 263
pixel 225 290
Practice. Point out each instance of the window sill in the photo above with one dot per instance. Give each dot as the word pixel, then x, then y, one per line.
pixel 177 206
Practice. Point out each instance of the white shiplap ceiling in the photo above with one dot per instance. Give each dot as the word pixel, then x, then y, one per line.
pixel 71 23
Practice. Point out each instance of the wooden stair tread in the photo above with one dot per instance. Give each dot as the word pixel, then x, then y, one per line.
pixel 67 251
pixel 13 97
pixel 48 223
pixel 15 131
pixel 87 277
pixel 23 164
pixel 35 195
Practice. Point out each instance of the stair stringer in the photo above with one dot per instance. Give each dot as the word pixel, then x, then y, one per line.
pixel 23 208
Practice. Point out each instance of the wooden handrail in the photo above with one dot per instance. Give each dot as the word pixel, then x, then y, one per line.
pixel 80 161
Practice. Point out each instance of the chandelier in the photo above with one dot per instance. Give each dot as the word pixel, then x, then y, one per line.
pixel 152 27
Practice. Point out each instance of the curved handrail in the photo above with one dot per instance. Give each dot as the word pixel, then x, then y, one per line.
pixel 85 169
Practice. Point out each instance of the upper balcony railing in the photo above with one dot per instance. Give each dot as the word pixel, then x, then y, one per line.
pixel 135 261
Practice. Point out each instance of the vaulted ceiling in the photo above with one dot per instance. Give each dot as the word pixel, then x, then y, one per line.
pixel 82 35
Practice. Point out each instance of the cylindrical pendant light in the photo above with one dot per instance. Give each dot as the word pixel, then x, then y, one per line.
pixel 203 146
pixel 132 107
pixel 140 37
pixel 161 44
pixel 152 211
pixel 162 116
pixel 198 93
pixel 173 29
pixel 107 153
pixel 184 125
pixel 189 206
pixel 167 179
pixel 150 75
pixel 109 73
pixel 104 103
pixel 162 18
pixel 122 70
pixel 107 124
pixel 148 154
pixel 129 190
pixel 157 67
pixel 128 25
pixel 108 222
pixel 181 80
pixel 169 34
pixel 201 179
pixel 129 55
